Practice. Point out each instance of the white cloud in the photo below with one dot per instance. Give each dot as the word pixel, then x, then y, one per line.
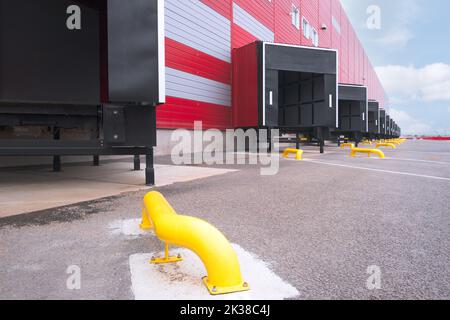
pixel 409 125
pixel 430 83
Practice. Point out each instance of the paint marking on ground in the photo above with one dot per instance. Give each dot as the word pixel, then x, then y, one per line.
pixel 127 227
pixel 183 281
pixel 416 160
pixel 378 170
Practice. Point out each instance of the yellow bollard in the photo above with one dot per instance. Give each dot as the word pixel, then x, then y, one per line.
pixel 369 152
pixel 347 145
pixel 386 145
pixel 210 245
pixel 298 153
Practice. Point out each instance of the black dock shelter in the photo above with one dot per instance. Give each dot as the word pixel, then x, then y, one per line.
pixel 353 109
pixel 391 128
pixel 305 82
pixel 81 77
pixel 388 126
pixel 296 89
pixel 382 134
pixel 374 120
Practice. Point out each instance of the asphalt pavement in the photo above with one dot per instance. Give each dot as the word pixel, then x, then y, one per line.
pixel 319 224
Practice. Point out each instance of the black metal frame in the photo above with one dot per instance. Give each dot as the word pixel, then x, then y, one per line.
pixel 373 117
pixel 356 118
pixel 304 61
pixel 126 125
pixel 60 117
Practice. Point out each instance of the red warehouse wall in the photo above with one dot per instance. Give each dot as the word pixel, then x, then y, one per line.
pixel 200 36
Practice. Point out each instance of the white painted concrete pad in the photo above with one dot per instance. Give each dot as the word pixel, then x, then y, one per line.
pixel 127 227
pixel 23 191
pixel 183 281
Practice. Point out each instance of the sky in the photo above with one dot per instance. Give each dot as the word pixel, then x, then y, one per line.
pixel 409 45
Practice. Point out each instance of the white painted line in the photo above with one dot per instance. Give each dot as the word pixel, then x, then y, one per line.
pixel 378 170
pixel 183 281
pixel 416 160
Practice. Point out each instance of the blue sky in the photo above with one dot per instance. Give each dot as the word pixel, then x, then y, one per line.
pixel 411 53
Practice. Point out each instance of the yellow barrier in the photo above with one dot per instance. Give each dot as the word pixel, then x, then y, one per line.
pixel 367 143
pixel 347 145
pixel 368 151
pixel 396 141
pixel 298 153
pixel 386 145
pixel 210 245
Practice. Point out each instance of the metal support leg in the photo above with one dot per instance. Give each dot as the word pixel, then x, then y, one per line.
pixel 322 146
pixel 137 162
pixel 269 140
pixel 167 258
pixel 56 159
pixel 56 164
pixel 149 168
pixel 96 161
pixel 297 140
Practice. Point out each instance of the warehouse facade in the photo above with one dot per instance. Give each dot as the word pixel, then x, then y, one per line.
pixel 71 91
pixel 201 36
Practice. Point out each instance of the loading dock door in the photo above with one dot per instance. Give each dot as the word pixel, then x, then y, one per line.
pixel 300 86
pixel 42 59
pixel 383 122
pixel 73 51
pixel 374 117
pixel 388 125
pixel 353 108
pixel 283 86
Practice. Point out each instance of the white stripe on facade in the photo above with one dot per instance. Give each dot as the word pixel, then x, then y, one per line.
pixel 250 24
pixel 196 25
pixel 184 85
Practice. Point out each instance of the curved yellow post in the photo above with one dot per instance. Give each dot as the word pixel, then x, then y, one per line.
pixel 347 145
pixel 298 153
pixel 387 145
pixel 369 152
pixel 210 245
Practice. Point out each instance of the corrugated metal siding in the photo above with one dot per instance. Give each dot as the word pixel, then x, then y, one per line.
pixel 201 33
pixel 261 10
pixel 344 52
pixel 310 10
pixel 249 23
pixel 184 58
pixel 182 113
pixel 241 37
pixel 188 86
pixel 351 56
pixel 325 36
pixel 196 25
pixel 285 31
pixel 336 25
pixel 221 6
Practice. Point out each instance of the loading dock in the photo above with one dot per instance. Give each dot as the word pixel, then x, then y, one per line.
pixel 353 109
pixel 374 120
pixel 391 128
pixel 291 88
pixel 382 134
pixel 81 78
pixel 388 126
